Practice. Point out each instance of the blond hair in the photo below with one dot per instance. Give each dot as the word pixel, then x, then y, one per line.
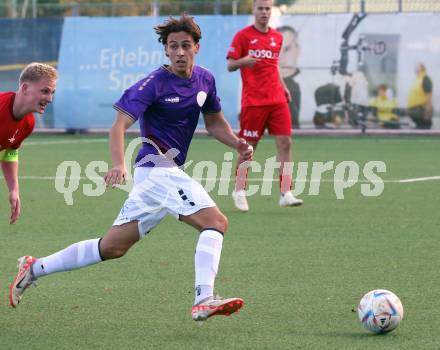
pixel 35 71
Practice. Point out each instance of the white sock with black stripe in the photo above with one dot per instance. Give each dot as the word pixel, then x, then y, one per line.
pixel 206 261
pixel 73 257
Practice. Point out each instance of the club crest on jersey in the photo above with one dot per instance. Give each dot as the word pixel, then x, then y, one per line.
pixel 272 42
pixel 12 139
pixel 201 98
pixel 250 133
pixel 173 99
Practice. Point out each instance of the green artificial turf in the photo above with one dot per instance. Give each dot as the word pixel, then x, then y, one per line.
pixel 301 270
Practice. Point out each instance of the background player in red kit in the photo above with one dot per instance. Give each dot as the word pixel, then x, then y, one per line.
pixel 255 50
pixel 37 84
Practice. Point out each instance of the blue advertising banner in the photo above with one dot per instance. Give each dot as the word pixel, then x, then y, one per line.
pixel 100 57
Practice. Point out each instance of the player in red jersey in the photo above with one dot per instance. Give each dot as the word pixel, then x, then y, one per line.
pixel 37 84
pixel 255 50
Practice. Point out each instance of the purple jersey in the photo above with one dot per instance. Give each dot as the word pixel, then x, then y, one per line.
pixel 168 109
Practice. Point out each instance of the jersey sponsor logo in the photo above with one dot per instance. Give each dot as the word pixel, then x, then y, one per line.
pixel 254 41
pixel 231 49
pixel 263 54
pixel 173 99
pixel 250 133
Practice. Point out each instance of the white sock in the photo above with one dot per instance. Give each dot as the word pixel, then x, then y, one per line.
pixel 77 255
pixel 206 261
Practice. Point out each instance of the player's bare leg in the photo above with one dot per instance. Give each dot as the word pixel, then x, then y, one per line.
pixel 284 145
pixel 118 240
pixel 239 193
pixel 212 224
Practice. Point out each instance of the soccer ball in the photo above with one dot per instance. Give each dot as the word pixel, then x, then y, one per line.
pixel 380 311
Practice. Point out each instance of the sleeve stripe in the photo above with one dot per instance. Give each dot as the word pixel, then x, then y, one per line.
pixel 119 109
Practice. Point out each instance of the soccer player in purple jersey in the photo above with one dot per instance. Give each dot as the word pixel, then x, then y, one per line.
pixel 167 104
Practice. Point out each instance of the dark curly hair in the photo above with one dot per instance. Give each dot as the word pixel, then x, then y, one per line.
pixel 173 25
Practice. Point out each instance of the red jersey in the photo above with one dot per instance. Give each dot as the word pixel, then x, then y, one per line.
pixel 261 83
pixel 12 131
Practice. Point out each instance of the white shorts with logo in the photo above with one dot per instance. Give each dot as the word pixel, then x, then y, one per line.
pixel 158 191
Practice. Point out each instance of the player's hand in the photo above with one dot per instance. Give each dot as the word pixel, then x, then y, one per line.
pixel 14 201
pixel 245 150
pixel 115 176
pixel 249 61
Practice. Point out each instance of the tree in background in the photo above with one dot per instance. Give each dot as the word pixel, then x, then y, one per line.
pixel 284 2
pixel 61 8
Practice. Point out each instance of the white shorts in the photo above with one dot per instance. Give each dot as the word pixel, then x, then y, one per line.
pixel 159 191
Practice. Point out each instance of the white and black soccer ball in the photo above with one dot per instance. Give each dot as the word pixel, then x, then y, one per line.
pixel 380 311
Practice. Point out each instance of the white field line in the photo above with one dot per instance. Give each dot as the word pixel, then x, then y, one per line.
pixel 419 179
pixel 204 139
pixel 63 142
pixel 101 140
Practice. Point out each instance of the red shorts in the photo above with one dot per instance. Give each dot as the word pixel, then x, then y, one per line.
pixel 255 119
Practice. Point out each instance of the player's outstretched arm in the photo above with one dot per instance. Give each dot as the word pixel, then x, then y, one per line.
pixel 217 126
pixel 10 172
pixel 116 175
pixel 247 61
